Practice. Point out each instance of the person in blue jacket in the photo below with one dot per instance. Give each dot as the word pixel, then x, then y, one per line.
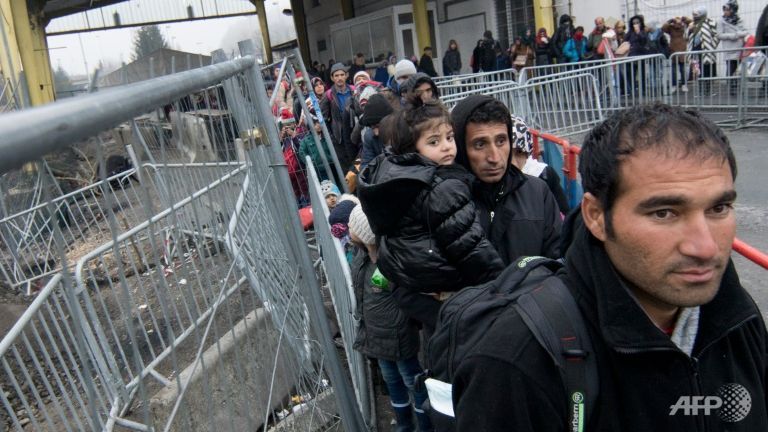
pixel 576 46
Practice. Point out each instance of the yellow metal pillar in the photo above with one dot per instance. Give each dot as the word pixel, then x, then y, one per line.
pixel 10 62
pixel 543 14
pixel 266 42
pixel 421 21
pixel 300 22
pixel 29 27
pixel 347 9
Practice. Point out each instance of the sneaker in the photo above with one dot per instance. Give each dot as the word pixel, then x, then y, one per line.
pixel 684 88
pixel 673 90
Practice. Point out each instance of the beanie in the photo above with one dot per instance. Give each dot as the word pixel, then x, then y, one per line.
pixel 328 188
pixel 403 68
pixel 286 117
pixel 375 110
pixel 361 73
pixel 358 225
pixel 338 67
pixel 340 213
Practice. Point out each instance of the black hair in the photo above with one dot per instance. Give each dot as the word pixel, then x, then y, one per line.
pixel 580 29
pixel 493 111
pixel 671 130
pixel 403 128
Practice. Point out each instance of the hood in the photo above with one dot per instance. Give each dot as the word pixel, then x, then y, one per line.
pixel 388 186
pixel 417 80
pixel 459 116
pixel 565 19
pixel 631 28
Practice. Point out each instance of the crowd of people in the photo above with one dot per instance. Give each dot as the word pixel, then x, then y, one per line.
pixel 444 200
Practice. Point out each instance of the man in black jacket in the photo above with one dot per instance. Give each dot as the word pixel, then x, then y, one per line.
pixel 679 344
pixel 518 213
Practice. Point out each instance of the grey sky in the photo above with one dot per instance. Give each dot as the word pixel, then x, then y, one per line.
pixel 115 46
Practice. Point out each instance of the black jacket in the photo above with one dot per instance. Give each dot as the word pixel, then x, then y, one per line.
pixel 385 332
pixel 526 219
pixel 563 32
pixel 452 62
pixel 510 383
pixel 427 65
pixel 426 227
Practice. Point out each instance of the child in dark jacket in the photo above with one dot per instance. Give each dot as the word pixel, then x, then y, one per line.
pixel 385 333
pixel 418 203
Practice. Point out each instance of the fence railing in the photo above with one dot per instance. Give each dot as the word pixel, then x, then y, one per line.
pixel 183 299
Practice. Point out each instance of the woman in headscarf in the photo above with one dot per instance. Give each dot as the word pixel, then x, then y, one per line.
pixel 541 48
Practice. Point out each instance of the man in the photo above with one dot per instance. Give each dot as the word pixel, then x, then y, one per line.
pixel 422 86
pixel 649 267
pixel 426 64
pixel 563 33
pixel 487 52
pixel 358 64
pixel 337 100
pixel 518 213
pixel 595 38
pixel 404 69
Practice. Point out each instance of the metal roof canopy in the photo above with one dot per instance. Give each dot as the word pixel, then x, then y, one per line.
pixel 76 16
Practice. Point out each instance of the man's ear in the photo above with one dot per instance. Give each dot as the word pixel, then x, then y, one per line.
pixel 594 216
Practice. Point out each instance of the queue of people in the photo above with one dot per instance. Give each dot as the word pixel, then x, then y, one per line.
pixel 446 200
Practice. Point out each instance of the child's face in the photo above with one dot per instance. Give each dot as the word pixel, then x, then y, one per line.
pixel 330 201
pixel 436 143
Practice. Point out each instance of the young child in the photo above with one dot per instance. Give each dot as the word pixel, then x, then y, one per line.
pixel 330 193
pixel 386 334
pixel 418 203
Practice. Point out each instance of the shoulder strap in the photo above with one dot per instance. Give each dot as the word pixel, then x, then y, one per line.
pixel 516 272
pixel 551 313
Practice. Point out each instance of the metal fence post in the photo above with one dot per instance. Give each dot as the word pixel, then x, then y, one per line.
pixel 345 396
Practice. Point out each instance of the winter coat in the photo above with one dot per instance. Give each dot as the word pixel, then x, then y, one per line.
pixel 452 62
pixel 543 53
pixel 372 147
pixel 574 50
pixel 426 226
pixel 509 382
pixel 427 65
pixel 563 32
pixel 732 36
pixel 593 41
pixel 518 213
pixel 333 114
pixel 638 41
pixel 678 41
pixel 385 332
pixel 703 36
pixel 657 43
pixel 487 55
pixel 308 147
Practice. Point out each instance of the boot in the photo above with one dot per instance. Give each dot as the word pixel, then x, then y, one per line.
pixel 404 418
pixel 425 424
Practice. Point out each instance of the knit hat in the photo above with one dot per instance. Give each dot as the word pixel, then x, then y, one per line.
pixel 358 225
pixel 521 136
pixel 349 197
pixel 403 68
pixel 338 67
pixel 286 118
pixel 700 12
pixel 376 109
pixel 361 73
pixel 328 188
pixel 340 213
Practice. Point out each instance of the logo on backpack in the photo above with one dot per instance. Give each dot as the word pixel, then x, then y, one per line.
pixel 577 419
pixel 525 261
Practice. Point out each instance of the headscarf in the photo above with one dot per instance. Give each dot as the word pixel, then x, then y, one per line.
pixel 733 19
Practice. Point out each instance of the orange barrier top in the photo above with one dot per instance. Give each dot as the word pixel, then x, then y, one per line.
pixel 570 152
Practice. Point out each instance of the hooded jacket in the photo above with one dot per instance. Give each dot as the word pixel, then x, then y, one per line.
pixel 385 332
pixel 639 43
pixel 510 383
pixel 563 32
pixel 416 80
pixel 426 227
pixel 518 214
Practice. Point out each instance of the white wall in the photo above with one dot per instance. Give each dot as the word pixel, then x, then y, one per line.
pixel 749 10
pixel 585 12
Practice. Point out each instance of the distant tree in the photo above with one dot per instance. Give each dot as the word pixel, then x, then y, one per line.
pixel 62 84
pixel 146 40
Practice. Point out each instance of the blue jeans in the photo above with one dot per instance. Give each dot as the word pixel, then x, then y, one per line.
pixel 400 378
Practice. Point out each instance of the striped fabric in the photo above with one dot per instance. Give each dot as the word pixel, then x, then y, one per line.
pixel 707 33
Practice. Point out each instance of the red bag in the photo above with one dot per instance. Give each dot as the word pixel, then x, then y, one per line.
pixel 305 216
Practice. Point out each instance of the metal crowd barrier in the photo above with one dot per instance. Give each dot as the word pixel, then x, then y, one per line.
pixel 478 78
pixel 184 299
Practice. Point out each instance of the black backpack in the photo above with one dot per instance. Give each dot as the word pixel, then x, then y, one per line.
pixel 548 310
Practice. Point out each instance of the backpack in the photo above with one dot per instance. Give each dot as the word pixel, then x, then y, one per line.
pixel 548 310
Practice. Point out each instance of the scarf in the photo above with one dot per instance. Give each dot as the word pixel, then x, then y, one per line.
pixel 733 19
pixel 578 36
